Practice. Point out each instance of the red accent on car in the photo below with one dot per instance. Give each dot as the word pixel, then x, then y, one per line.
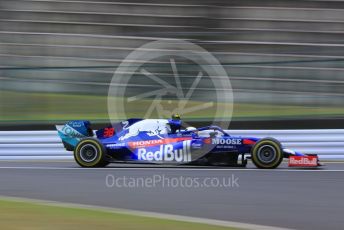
pixel 109 132
pixel 207 141
pixel 248 142
pixel 149 143
pixel 303 161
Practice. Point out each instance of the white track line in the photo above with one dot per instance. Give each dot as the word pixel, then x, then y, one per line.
pixel 172 169
pixel 101 13
pixel 246 42
pixel 280 19
pixel 118 3
pixel 96 23
pixel 147 214
pixel 91 35
pixel 282 8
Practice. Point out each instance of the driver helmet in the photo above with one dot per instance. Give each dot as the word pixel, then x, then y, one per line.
pixel 176 116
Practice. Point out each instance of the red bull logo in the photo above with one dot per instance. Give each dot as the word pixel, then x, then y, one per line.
pixel 167 153
pixel 303 161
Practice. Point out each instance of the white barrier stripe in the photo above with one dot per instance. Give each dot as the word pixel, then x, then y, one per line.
pixel 328 143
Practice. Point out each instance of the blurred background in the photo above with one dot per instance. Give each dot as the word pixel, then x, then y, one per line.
pixel 284 57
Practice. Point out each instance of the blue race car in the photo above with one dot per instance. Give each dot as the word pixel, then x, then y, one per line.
pixel 163 141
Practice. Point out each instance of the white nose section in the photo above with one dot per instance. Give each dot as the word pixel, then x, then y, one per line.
pixel 289 151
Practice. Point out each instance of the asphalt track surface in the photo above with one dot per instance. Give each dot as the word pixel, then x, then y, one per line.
pixel 290 198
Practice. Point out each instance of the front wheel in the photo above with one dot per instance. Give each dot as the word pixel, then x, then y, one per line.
pixel 90 153
pixel 267 153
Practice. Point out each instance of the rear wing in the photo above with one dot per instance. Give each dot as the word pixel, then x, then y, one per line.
pixel 72 132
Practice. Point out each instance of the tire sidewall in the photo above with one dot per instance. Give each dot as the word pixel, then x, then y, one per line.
pixel 100 158
pixel 270 142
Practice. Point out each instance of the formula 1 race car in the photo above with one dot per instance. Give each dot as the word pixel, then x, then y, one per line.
pixel 164 141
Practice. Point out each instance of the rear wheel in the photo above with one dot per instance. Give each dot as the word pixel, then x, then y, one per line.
pixel 267 153
pixel 90 153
